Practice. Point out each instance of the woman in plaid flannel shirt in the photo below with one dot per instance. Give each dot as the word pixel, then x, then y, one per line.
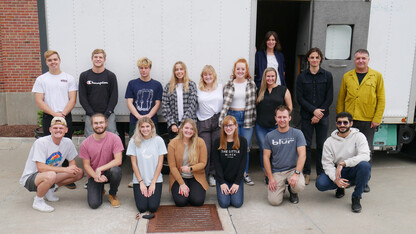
pixel 179 100
pixel 240 102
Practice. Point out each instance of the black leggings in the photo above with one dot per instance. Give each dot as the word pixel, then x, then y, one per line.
pixel 196 193
pixel 151 203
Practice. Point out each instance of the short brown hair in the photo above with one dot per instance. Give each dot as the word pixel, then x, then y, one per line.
pixel 282 108
pixel 98 51
pixel 49 53
pixel 97 115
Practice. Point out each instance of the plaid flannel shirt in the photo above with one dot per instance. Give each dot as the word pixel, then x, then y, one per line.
pixel 250 108
pixel 170 105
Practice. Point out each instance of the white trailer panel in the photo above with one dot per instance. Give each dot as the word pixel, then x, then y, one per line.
pixel 196 32
pixel 392 47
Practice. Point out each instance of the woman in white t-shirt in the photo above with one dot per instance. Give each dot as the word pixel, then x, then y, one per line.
pixel 146 151
pixel 208 112
pixel 179 99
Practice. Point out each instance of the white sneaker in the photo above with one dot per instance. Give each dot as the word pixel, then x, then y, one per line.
pixel 248 180
pixel 211 181
pixel 50 195
pixel 130 185
pixel 40 205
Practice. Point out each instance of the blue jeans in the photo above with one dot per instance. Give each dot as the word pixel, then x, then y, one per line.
pixel 359 174
pixel 261 133
pixel 235 200
pixel 244 132
pixel 321 130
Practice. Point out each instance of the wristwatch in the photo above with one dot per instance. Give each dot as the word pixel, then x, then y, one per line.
pixel 297 172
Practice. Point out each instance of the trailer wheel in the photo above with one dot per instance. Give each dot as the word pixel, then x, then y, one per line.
pixel 406 134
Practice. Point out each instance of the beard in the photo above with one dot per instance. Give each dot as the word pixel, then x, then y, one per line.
pixel 343 131
pixel 99 131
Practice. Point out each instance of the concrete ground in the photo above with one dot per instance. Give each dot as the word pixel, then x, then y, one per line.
pixel 390 207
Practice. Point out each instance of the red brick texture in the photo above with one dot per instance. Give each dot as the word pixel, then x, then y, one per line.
pixel 20 59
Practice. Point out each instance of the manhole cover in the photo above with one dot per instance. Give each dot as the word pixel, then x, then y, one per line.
pixel 170 218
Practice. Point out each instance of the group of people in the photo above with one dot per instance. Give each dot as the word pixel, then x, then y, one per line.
pixel 210 127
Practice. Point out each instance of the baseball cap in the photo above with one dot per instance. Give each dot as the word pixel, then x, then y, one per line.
pixel 58 120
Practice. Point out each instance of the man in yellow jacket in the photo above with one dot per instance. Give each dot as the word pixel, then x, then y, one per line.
pixel 362 95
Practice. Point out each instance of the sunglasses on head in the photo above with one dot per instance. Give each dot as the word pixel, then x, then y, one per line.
pixel 343 123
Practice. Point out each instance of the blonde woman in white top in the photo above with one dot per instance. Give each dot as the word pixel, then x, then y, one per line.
pixel 208 112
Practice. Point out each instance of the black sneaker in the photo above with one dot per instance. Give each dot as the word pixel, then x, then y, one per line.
pixel 340 192
pixel 356 206
pixel 293 197
pixel 367 188
pixel 71 186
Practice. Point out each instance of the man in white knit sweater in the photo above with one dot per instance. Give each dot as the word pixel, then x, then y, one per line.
pixel 345 159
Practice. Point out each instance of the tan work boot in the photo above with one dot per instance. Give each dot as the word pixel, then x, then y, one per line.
pixel 113 200
pixel 307 178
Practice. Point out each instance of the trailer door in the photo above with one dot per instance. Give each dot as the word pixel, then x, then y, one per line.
pixel 339 29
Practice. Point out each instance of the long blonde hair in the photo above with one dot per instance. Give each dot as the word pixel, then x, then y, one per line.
pixel 223 138
pixel 192 153
pixel 210 70
pixel 263 85
pixel 174 81
pixel 137 136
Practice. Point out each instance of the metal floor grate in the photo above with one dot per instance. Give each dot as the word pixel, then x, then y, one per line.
pixel 170 218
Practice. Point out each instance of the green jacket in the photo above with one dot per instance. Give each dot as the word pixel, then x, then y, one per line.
pixel 365 101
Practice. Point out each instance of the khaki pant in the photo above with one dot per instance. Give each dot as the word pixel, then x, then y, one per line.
pixel 275 198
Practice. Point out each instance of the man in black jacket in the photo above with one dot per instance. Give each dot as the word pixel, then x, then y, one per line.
pixel 314 89
pixel 98 92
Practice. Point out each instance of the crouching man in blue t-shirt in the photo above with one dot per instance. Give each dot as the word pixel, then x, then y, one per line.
pixel 286 147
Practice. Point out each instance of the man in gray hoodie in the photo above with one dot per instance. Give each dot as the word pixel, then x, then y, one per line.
pixel 345 159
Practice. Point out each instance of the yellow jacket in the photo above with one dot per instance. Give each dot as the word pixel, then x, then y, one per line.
pixel 365 101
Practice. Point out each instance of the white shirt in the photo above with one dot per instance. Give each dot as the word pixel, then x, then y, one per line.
pixel 44 150
pixel 179 94
pixel 239 98
pixel 209 103
pixel 55 89
pixel 272 62
pixel 147 158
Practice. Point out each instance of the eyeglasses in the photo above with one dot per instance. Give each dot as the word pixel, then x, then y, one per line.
pixel 228 125
pixel 343 123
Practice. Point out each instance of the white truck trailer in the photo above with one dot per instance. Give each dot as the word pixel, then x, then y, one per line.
pixel 218 32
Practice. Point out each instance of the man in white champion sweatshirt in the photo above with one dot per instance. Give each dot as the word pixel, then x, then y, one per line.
pixel 345 159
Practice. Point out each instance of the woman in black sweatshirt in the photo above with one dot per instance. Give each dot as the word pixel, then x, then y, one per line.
pixel 230 162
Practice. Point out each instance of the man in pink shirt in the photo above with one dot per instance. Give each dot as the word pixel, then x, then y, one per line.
pixel 101 155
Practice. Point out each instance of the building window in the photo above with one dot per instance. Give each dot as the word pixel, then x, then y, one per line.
pixel 338 42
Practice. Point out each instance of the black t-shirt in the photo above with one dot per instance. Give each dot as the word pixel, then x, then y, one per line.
pixel 230 164
pixel 361 77
pixel 267 106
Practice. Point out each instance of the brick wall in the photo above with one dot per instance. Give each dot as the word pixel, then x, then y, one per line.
pixel 20 59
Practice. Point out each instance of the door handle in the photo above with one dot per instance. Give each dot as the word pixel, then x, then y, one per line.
pixel 338 66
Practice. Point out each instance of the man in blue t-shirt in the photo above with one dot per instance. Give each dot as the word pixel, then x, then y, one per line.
pixel 143 95
pixel 286 147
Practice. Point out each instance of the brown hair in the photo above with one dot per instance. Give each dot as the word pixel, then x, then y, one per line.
pixel 97 115
pixel 99 51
